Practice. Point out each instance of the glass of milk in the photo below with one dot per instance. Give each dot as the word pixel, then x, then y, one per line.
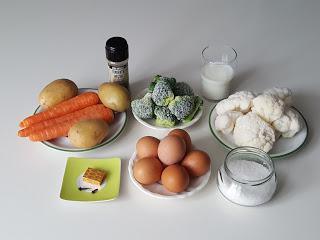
pixel 217 71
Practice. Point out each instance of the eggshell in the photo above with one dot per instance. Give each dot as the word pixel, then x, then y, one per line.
pixel 147 170
pixel 171 149
pixel 183 134
pixel 147 147
pixel 175 178
pixel 196 162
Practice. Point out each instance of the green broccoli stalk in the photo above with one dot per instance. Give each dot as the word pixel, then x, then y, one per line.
pixel 197 106
pixel 162 94
pixel 182 88
pixel 164 117
pixel 182 106
pixel 144 107
pixel 157 78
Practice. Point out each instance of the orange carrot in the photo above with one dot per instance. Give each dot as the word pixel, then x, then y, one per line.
pixel 61 129
pixel 81 101
pixel 81 114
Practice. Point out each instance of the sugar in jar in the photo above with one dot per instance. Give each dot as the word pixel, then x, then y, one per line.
pixel 247 177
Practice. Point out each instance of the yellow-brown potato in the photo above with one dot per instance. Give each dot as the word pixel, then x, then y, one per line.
pixel 114 96
pixel 88 133
pixel 57 91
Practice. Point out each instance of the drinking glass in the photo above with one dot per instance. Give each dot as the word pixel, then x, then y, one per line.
pixel 217 71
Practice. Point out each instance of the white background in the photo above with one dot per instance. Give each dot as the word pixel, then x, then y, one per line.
pixel 278 45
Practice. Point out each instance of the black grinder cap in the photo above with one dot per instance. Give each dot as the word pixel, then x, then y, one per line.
pixel 117 49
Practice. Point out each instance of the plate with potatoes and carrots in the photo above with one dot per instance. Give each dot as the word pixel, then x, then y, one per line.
pixel 77 119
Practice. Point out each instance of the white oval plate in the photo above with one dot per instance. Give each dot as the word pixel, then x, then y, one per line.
pixel 158 191
pixel 151 123
pixel 283 147
pixel 115 130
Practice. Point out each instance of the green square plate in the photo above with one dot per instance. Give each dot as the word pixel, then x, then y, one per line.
pixel 72 179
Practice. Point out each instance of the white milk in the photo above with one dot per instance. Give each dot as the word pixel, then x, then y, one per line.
pixel 216 78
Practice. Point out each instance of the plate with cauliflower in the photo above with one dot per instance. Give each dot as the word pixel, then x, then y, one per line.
pixel 167 104
pixel 267 121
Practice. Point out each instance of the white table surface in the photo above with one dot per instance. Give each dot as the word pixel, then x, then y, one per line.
pixel 278 45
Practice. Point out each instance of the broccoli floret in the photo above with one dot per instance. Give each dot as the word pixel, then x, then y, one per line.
pixel 197 105
pixel 171 81
pixel 164 117
pixel 157 78
pixel 143 107
pixel 182 88
pixel 182 106
pixel 162 94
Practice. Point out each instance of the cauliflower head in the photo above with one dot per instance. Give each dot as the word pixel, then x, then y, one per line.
pixel 225 122
pixel 239 101
pixel 268 107
pixel 251 130
pixel 285 94
pixel 288 124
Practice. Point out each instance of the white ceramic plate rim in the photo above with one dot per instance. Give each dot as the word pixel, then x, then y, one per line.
pixel 184 194
pixel 180 125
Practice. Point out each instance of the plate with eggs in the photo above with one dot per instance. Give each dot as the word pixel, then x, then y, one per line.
pixel 169 168
pixel 267 121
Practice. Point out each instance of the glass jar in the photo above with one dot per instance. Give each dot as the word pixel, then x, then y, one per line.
pixel 247 177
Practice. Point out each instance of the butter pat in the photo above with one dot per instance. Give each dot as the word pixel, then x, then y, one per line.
pixel 94 176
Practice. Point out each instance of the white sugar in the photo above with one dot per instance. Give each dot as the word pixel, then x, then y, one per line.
pixel 248 194
pixel 248 170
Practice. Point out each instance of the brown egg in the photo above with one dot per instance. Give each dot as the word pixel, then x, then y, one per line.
pixel 147 170
pixel 147 147
pixel 175 178
pixel 171 150
pixel 197 163
pixel 183 134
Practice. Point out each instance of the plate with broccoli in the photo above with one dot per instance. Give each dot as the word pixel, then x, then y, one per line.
pixel 167 104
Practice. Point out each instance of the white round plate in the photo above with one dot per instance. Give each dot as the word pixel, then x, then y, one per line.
pixel 151 123
pixel 283 147
pixel 115 129
pixel 158 191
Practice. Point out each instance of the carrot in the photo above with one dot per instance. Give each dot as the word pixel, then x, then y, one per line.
pixel 61 129
pixel 81 114
pixel 81 101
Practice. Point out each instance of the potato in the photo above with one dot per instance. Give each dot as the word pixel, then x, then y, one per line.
pixel 57 91
pixel 114 96
pixel 88 133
